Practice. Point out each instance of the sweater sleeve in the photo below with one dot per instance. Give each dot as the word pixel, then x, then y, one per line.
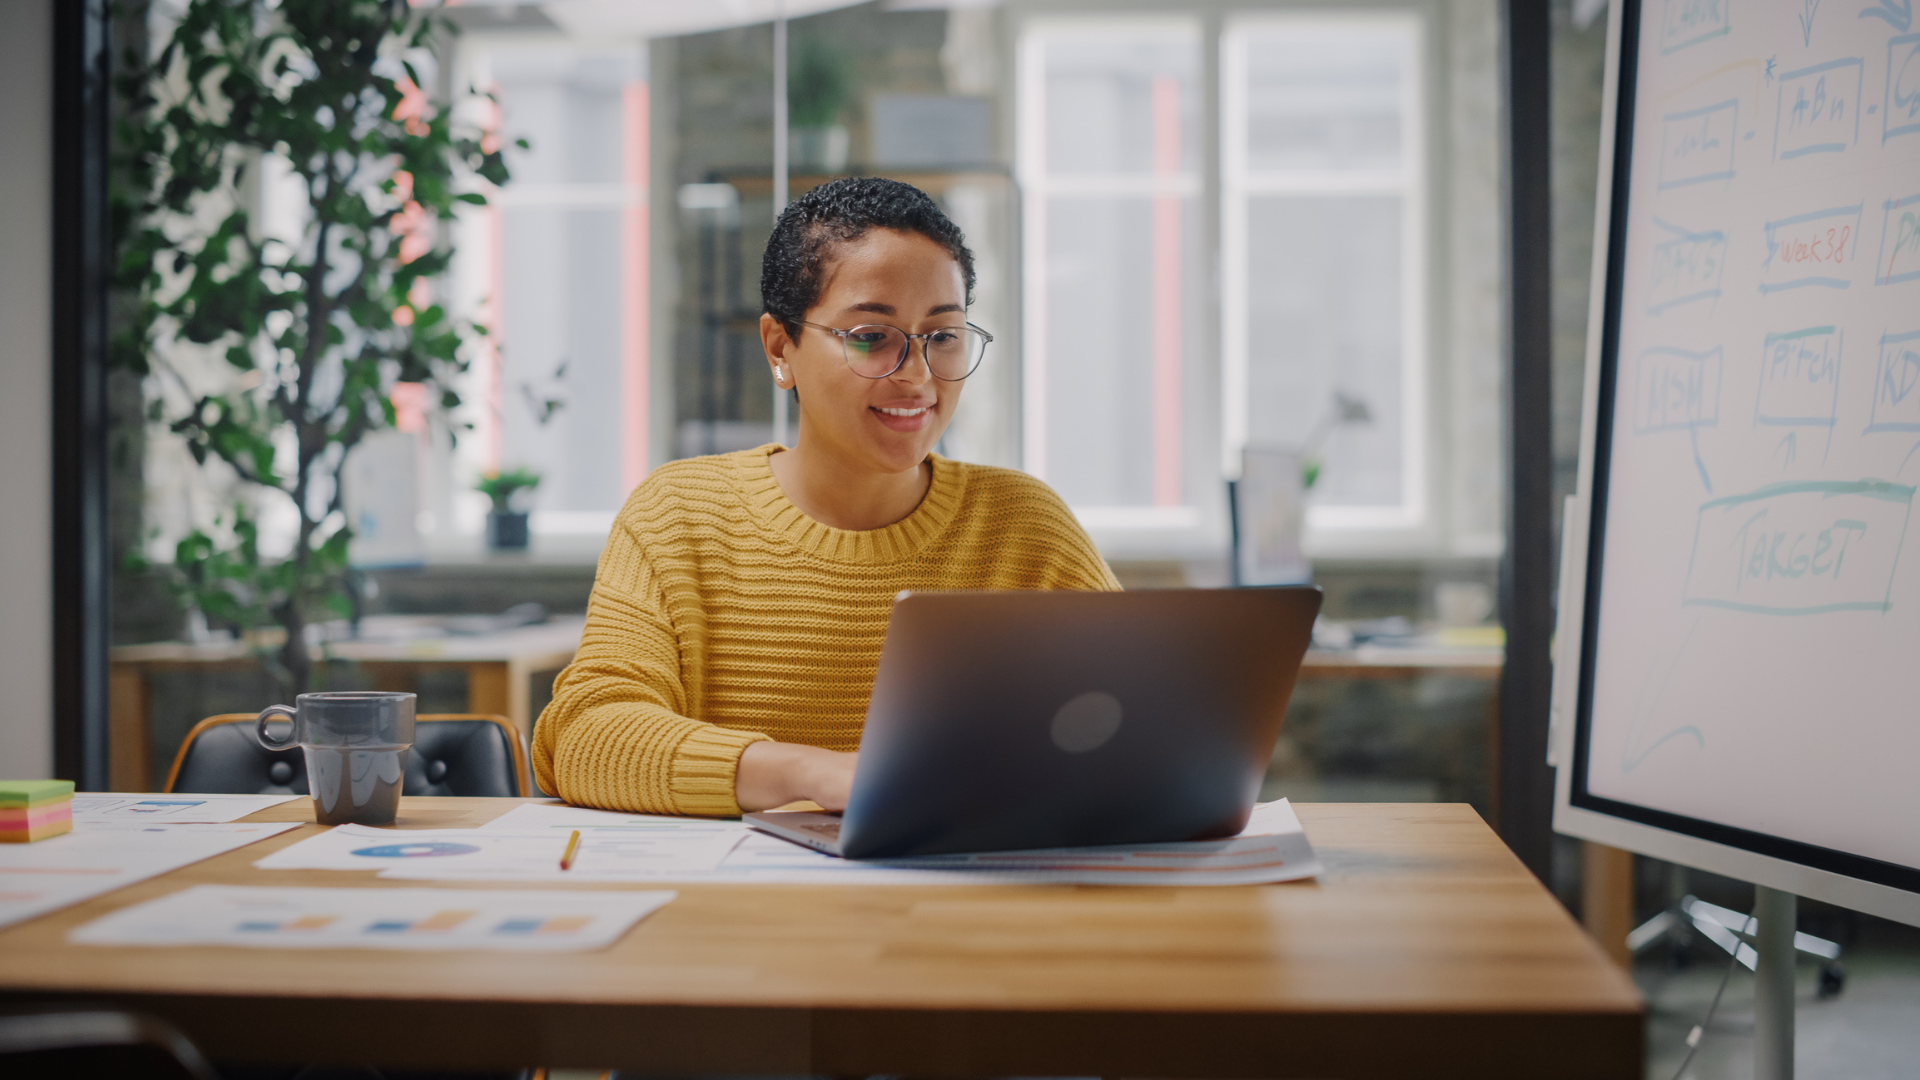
pixel 1074 561
pixel 617 734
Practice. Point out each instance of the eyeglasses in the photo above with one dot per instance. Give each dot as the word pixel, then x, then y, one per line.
pixel 875 350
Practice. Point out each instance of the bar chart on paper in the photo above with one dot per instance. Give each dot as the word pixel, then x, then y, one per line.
pixel 405 919
pixel 105 807
pixel 617 854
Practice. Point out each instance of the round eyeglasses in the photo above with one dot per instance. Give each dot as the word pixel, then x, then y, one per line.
pixel 875 350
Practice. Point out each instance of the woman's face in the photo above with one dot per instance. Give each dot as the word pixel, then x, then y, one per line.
pixel 890 424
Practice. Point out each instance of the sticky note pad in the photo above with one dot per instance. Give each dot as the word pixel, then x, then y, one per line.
pixel 34 809
pixel 33 792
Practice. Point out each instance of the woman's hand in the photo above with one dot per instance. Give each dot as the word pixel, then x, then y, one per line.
pixel 775 773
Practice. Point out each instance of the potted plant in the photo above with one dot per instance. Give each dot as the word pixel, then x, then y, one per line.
pixel 272 352
pixel 507 527
pixel 817 91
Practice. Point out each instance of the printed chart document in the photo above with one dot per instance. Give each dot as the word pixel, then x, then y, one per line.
pixel 500 855
pixel 1273 847
pixel 538 816
pixel 99 857
pixel 410 919
pixel 120 806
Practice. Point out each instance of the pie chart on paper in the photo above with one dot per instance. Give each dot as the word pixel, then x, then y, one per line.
pixel 430 849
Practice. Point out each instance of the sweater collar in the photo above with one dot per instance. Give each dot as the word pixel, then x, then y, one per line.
pixel 896 542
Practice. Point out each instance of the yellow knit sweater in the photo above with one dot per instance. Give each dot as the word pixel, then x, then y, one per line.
pixel 722 615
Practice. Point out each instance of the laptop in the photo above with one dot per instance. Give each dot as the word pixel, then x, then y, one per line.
pixel 1003 721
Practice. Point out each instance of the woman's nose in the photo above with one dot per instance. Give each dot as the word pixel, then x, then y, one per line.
pixel 916 368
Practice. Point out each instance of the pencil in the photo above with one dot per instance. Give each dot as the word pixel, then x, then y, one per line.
pixel 573 846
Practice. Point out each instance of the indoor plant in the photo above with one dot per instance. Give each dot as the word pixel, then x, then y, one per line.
pixel 272 356
pixel 507 527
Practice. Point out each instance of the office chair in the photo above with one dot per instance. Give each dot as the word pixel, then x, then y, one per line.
pixel 65 1042
pixel 453 754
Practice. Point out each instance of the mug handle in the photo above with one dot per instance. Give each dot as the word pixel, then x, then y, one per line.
pixel 260 726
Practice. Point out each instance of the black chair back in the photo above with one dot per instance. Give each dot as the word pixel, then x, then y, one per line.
pixel 66 1042
pixel 452 755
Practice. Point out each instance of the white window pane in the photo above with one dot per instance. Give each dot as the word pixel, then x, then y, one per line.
pixel 562 388
pixel 561 282
pixel 1099 347
pixel 1107 95
pixel 568 107
pixel 1325 97
pixel 1111 137
pixel 1324 315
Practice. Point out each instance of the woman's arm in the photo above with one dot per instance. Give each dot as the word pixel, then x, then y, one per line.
pixel 617 734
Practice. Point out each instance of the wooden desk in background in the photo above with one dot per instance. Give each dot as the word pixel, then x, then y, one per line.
pixel 499 666
pixel 1405 665
pixel 1425 950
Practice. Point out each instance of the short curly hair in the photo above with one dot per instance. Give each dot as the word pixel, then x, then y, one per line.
pixel 795 266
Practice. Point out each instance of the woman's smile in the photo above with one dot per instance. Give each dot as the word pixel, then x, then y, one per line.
pixel 910 415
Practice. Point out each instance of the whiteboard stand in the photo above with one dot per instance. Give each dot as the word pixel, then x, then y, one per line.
pixel 1687 919
pixel 1774 909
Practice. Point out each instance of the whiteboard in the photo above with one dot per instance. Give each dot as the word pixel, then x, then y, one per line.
pixel 1740 666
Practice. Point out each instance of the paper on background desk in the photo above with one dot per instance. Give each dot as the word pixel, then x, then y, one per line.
pixel 504 855
pixel 517 920
pixel 99 857
pixel 1272 847
pixel 125 806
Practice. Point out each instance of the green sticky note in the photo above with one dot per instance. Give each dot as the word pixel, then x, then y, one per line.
pixel 29 792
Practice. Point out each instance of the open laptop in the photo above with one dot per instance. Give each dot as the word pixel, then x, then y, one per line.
pixel 1003 721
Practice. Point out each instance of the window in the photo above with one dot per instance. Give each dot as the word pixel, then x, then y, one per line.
pixel 1322 170
pixel 558 271
pixel 1110 168
pixel 1146 373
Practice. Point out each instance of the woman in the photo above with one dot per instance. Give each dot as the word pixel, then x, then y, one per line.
pixel 741 601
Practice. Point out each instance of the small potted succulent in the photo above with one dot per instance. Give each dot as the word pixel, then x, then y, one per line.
pixel 507 527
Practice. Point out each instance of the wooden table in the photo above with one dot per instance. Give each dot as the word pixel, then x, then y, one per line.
pixel 500 667
pixel 1402 664
pixel 1382 662
pixel 1426 950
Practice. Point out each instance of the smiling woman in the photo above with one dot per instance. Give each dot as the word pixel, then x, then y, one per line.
pixel 741 602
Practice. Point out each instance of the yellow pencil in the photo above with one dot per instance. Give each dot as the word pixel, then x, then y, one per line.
pixel 573 845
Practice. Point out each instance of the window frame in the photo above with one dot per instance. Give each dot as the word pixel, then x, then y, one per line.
pixel 478 287
pixel 1413 184
pixel 1423 524
pixel 1147 527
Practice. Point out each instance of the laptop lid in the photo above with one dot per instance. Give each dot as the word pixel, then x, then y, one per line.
pixel 1009 720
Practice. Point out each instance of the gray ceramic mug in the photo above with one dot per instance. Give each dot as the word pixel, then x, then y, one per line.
pixel 356 745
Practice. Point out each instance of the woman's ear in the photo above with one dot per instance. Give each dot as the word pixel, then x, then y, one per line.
pixel 774 340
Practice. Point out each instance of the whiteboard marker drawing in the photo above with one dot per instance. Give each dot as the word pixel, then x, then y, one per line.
pixel 1690 22
pixel 1678 390
pixel 1899 242
pixel 1696 145
pixel 1649 698
pixel 1819 109
pixel 1800 380
pixel 1896 385
pixel 1901 114
pixel 1802 548
pixel 1895 13
pixel 1811 250
pixel 1685 268
pixel 1808 7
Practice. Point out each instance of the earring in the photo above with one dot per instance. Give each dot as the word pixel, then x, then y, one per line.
pixel 778 376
